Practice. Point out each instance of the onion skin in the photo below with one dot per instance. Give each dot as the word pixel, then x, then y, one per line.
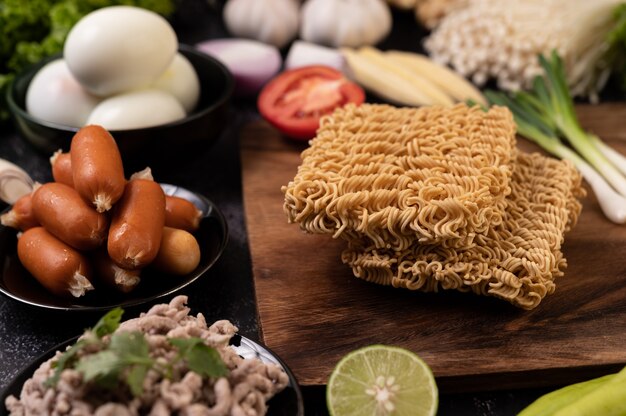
pixel 58 267
pixel 137 225
pixel 97 169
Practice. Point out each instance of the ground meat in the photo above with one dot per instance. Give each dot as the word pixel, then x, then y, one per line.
pixel 244 392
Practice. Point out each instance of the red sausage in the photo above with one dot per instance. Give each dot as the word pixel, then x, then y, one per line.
pixel 57 266
pixel 137 225
pixel 181 213
pixel 62 168
pixel 97 169
pixel 61 211
pixel 21 214
pixel 113 275
pixel 179 253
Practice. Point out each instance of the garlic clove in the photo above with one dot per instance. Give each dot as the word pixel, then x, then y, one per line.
pixel 14 182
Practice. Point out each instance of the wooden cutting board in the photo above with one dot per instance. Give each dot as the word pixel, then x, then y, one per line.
pixel 312 310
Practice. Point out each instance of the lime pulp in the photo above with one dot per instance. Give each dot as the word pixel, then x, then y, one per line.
pixel 381 380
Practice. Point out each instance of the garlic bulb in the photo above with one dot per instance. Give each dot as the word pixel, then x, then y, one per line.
pixel 350 23
pixel 269 21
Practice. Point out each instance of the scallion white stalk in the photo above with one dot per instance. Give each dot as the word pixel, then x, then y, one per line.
pixel 613 204
pixel 618 160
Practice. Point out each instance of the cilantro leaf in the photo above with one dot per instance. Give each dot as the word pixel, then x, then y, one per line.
pixel 126 357
pixel 185 344
pixel 200 358
pixel 99 365
pixel 130 346
pixel 206 361
pixel 135 377
pixel 65 361
pixel 108 323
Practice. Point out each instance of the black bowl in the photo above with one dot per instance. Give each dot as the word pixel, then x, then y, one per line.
pixel 18 284
pixel 286 403
pixel 145 146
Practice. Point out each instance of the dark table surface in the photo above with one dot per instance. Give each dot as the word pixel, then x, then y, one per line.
pixel 226 291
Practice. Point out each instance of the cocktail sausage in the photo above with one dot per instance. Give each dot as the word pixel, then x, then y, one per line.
pixel 113 275
pixel 62 168
pixel 137 224
pixel 97 169
pixel 179 252
pixel 62 212
pixel 57 266
pixel 181 213
pixel 20 216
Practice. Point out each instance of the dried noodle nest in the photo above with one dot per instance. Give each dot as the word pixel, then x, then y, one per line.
pixel 435 198
pixel 394 176
pixel 516 260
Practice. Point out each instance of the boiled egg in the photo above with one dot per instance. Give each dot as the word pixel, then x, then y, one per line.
pixel 119 48
pixel 137 109
pixel 180 80
pixel 54 95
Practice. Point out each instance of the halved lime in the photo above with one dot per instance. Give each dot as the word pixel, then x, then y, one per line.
pixel 380 380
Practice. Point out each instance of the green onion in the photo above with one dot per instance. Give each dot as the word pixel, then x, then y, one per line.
pixel 546 115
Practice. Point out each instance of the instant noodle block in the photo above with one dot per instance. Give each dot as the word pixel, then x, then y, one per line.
pixel 516 260
pixel 437 198
pixel 397 176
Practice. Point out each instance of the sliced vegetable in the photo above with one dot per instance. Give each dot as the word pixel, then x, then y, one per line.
pixel 547 114
pixel 295 100
pixel 382 380
pixel 252 63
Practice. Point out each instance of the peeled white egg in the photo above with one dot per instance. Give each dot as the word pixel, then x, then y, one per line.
pixel 119 48
pixel 137 109
pixel 54 95
pixel 180 80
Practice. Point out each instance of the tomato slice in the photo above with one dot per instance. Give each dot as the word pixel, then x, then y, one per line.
pixel 295 100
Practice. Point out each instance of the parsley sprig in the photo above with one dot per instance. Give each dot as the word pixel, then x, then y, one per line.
pixel 126 357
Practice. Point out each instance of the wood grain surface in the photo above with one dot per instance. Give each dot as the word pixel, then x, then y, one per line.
pixel 313 311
